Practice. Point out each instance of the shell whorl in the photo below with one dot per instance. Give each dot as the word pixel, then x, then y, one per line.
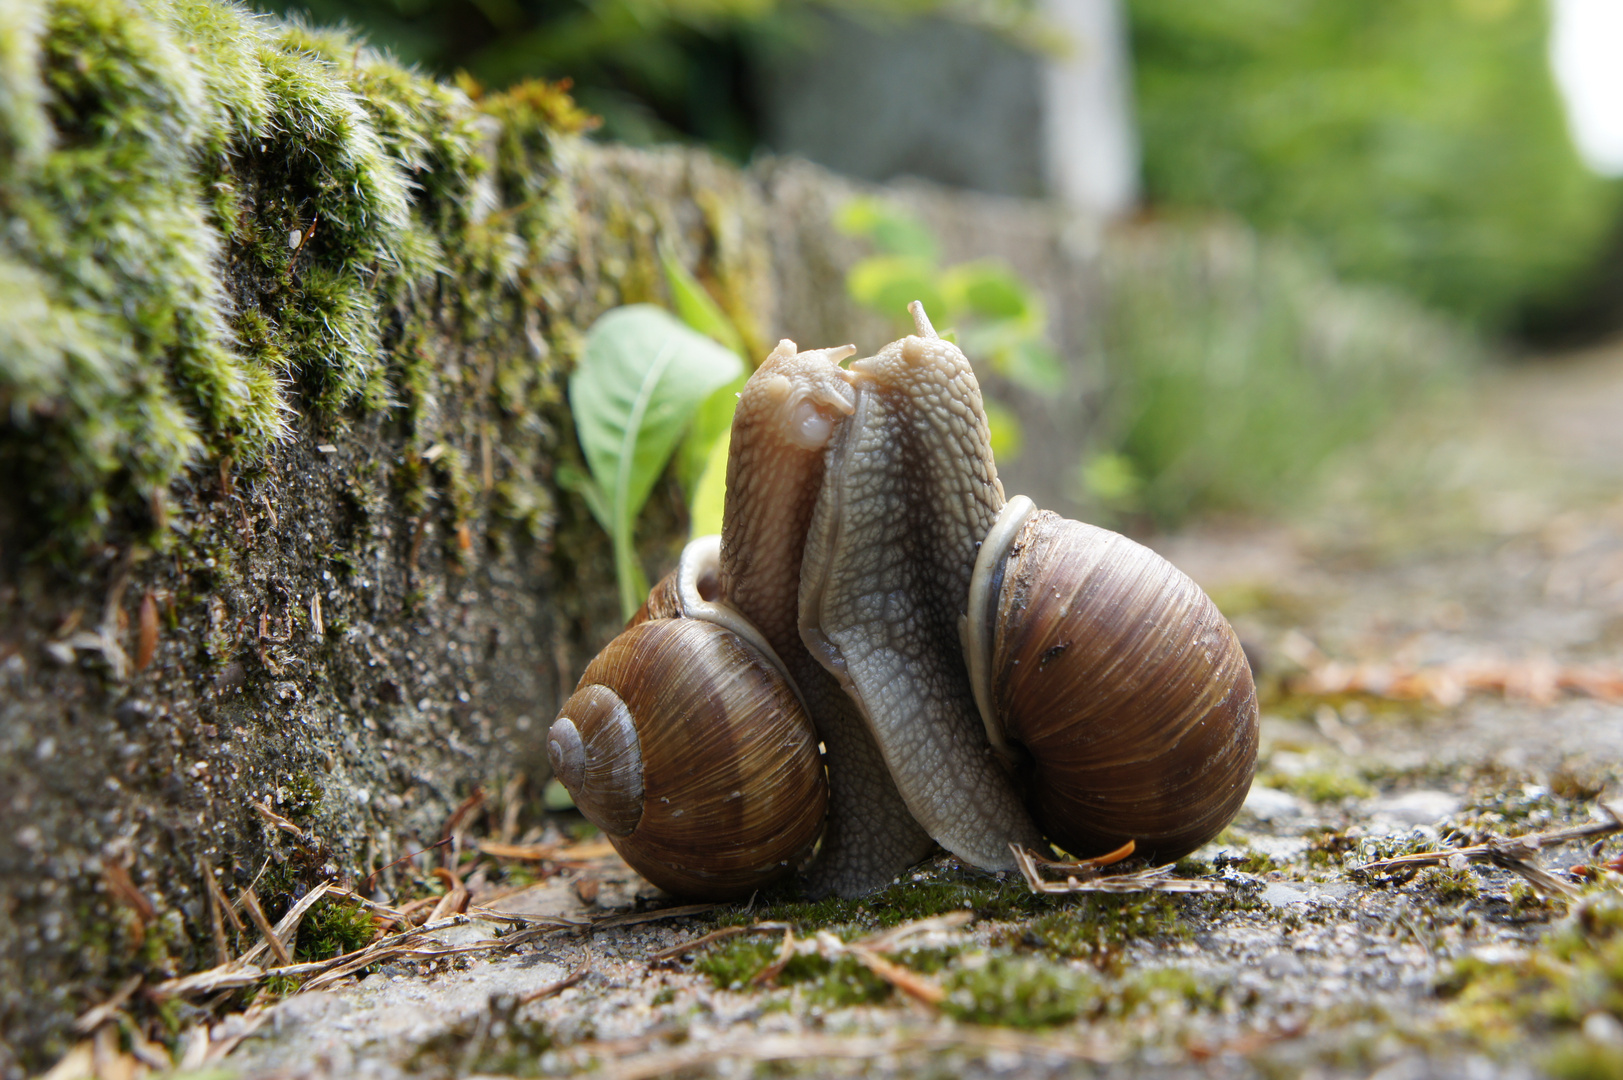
pixel 595 755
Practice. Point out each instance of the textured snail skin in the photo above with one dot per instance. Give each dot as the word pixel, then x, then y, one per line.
pixel 909 491
pixel 788 411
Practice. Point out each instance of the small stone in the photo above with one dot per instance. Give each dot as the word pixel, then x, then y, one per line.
pixel 1283 895
pixel 1414 807
pixel 1270 804
pixel 1602 1027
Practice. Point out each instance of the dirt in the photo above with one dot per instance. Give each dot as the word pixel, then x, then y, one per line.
pixel 1507 557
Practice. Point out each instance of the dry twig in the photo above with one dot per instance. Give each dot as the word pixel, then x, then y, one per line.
pixel 1085 875
pixel 580 972
pixel 95 1017
pixel 1514 853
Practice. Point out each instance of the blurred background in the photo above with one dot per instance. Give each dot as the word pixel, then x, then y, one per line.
pixel 1399 189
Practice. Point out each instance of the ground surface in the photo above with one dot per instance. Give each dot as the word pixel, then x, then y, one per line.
pixel 1433 643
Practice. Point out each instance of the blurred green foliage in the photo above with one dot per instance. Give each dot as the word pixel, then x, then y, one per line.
pixel 982 305
pixel 1236 365
pixel 988 309
pixel 1417 142
pixel 654 70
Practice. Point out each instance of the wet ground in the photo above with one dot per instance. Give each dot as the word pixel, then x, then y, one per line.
pixel 1438 641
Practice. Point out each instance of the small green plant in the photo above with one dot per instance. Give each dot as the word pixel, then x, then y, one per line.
pixel 643 377
pixel 983 304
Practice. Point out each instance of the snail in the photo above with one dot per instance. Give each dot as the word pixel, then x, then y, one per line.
pixel 686 743
pixel 1023 675
pixel 981 674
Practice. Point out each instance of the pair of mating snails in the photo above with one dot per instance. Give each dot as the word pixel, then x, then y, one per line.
pixel 980 674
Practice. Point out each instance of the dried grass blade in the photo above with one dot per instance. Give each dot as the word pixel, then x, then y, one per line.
pixel 95 1017
pixel 637 917
pixel 913 985
pixel 1155 880
pixel 786 953
pixel 224 977
pixel 888 940
pixel 714 936
pixel 562 984
pixel 289 925
pixel 250 900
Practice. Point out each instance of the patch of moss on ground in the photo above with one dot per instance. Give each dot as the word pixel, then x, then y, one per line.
pixel 1450 885
pixel 1089 928
pixel 1319 785
pixel 332 928
pixel 1575 972
pixel 1020 991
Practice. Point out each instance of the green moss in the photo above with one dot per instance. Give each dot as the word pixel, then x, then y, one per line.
pixel 333 928
pixel 1165 988
pixel 155 150
pixel 731 964
pixel 1319 785
pixel 300 796
pixel 1575 972
pixel 1093 927
pixel 1020 991
pixel 1576 1058
pixel 1450 885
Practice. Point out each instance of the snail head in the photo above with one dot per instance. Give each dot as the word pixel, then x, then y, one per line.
pixel 804 393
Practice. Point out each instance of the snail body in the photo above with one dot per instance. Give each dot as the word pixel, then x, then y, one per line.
pixel 790 411
pixel 686 743
pixel 910 489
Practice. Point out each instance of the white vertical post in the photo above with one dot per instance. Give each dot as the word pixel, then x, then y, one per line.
pixel 1091 140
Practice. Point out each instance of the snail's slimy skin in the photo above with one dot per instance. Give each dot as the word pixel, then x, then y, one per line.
pixel 909 491
pixel 787 413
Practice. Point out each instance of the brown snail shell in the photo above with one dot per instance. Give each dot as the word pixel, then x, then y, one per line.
pixel 689 748
pixel 1116 684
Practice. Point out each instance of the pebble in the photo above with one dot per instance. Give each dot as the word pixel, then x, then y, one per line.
pixel 1269 804
pixel 1414 807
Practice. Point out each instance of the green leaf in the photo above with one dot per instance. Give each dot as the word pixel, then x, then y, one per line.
pixel 888 283
pixel 696 307
pixel 1032 365
pixel 1008 437
pixel 710 491
pixel 711 424
pixel 988 288
pixel 892 230
pixel 1110 478
pixel 1017 353
pixel 642 376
